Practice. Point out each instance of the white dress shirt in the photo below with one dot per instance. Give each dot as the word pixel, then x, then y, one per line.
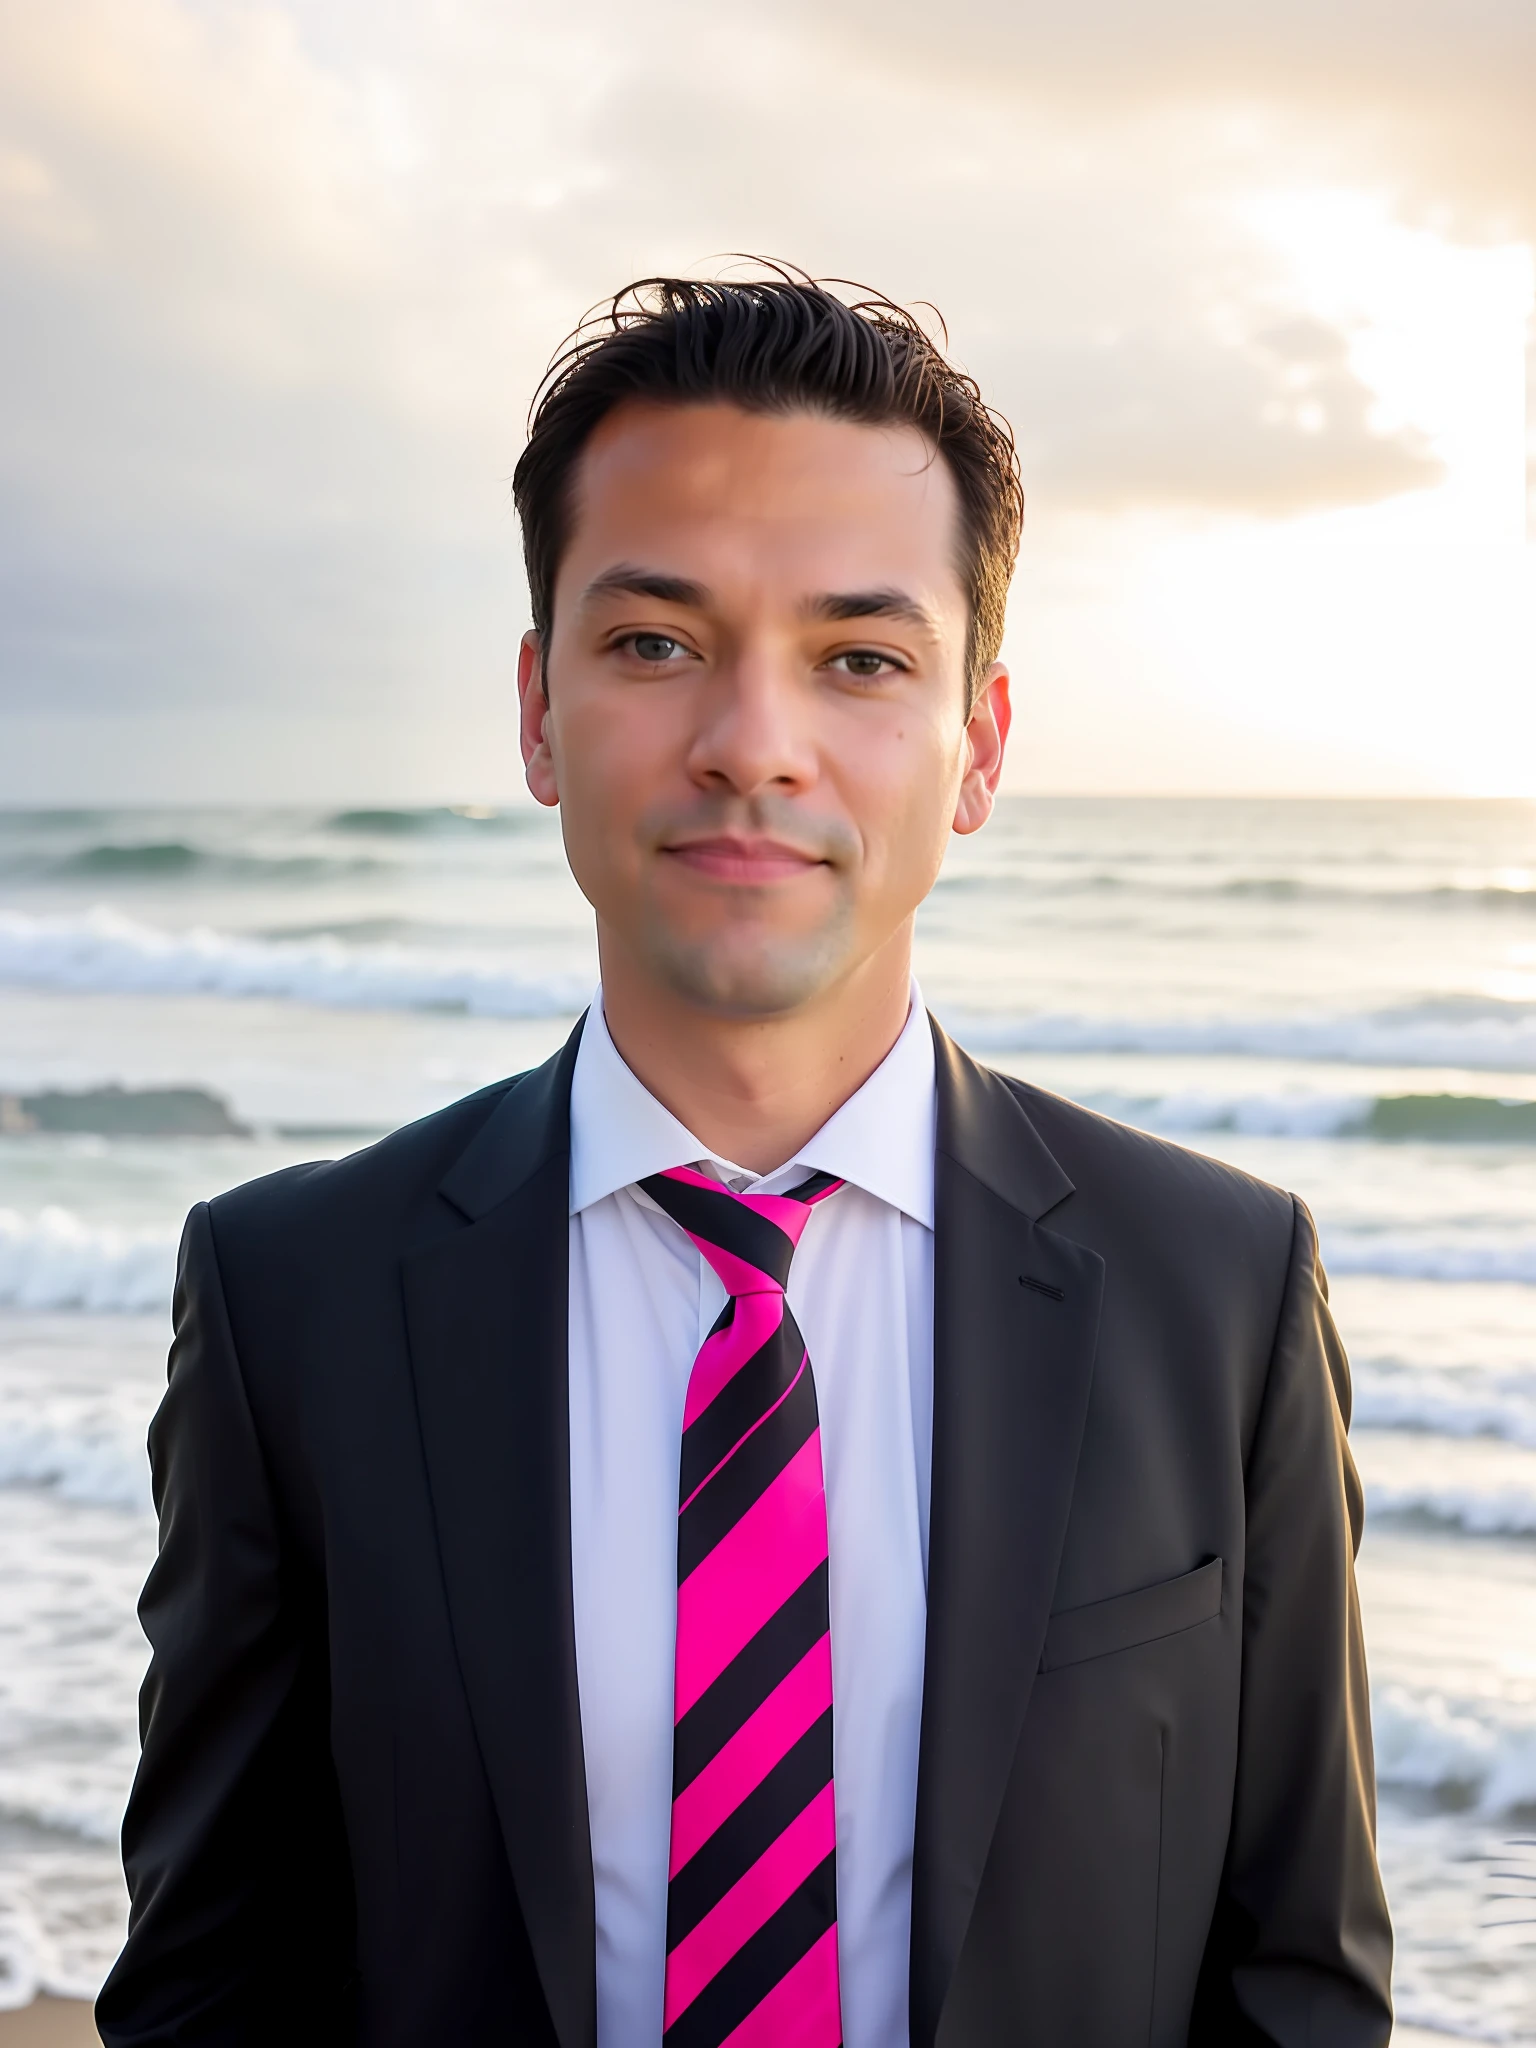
pixel 642 1300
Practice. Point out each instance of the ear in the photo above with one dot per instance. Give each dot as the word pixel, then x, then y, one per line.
pixel 986 737
pixel 533 709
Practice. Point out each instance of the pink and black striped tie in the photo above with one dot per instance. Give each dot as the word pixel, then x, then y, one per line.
pixel 752 1881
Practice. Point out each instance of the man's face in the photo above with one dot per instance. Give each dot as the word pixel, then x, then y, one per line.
pixel 755 723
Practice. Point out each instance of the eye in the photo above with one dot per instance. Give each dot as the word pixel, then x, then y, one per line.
pixel 657 649
pixel 866 664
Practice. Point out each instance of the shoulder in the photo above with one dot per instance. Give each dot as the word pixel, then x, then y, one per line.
pixel 1170 1201
pixel 380 1189
pixel 1096 1146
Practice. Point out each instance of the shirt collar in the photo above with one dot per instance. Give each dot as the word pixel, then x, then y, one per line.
pixel 881 1139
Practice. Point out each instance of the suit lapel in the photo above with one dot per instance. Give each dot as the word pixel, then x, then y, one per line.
pixel 486 1318
pixel 1016 1312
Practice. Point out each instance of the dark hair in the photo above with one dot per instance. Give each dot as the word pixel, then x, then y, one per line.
pixel 778 343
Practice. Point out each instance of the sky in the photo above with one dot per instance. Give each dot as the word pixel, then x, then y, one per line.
pixel 1253 284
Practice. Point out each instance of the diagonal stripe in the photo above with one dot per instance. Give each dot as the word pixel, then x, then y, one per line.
pixel 808 1840
pixel 725 1351
pixel 750 1573
pixel 794 1704
pixel 746 1473
pixel 753 1828
pixel 743 1401
pixel 756 1967
pixel 786 1212
pixel 751 1430
pixel 739 1277
pixel 726 1225
pixel 802 2007
pixel 746 1682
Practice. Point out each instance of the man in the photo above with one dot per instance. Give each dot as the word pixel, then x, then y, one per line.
pixel 761 1530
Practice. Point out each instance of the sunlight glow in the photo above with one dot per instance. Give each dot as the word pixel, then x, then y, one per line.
pixel 1437 331
pixel 1404 630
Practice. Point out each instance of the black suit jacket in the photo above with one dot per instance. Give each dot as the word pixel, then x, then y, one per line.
pixel 1145 1798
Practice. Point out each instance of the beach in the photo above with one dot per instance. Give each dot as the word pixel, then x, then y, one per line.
pixel 1338 997
pixel 49 2023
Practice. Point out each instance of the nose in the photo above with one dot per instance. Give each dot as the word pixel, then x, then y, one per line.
pixel 755 727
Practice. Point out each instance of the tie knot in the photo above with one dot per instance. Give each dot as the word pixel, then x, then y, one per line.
pixel 748 1239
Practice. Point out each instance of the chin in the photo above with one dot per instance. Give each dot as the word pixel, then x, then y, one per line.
pixel 752 977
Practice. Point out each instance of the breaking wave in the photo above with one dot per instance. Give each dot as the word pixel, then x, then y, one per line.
pixel 1462 1404
pixel 92 1467
pixel 55 1261
pixel 1508 1510
pixel 1383 1256
pixel 105 951
pixel 1426 1742
pixel 1453 1031
pixel 445 820
pixel 1389 1119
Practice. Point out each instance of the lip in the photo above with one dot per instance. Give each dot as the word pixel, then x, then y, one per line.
pixel 755 862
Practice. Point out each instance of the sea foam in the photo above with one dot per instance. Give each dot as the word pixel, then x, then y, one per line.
pixel 1498 1510
pixel 1479 1033
pixel 1463 1403
pixel 1388 1119
pixel 1384 1255
pixel 1427 1742
pixel 103 951
pixel 99 1467
pixel 54 1260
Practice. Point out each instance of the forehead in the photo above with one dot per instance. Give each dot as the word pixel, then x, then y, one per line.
pixel 794 501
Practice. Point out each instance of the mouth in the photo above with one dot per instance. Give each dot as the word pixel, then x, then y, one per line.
pixel 752 862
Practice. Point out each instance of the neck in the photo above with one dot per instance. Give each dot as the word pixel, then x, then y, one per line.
pixel 754 1089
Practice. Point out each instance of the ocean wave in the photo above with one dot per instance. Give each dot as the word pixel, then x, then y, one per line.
pixel 1032 877
pixel 1388 1119
pixel 1497 896
pixel 89 1822
pixel 1507 1510
pixel 1383 1256
pixel 55 1261
pixel 43 1950
pixel 153 857
pixel 1464 1404
pixel 181 860
pixel 444 819
pixel 1458 1031
pixel 105 951
pixel 91 1466
pixel 1426 1742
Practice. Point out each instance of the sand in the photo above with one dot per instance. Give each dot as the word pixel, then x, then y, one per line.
pixel 49 2023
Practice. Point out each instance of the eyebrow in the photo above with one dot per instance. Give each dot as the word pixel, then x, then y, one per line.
pixel 871 604
pixel 627 579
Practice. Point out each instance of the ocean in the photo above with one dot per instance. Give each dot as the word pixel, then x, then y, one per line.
pixel 1338 996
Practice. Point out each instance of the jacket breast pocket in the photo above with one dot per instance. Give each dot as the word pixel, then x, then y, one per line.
pixel 1106 1626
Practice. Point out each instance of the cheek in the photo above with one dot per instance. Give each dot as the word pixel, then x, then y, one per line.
pixel 613 762
pixel 901 790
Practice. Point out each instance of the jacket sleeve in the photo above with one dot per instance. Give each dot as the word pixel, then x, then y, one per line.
pixel 1300 1953
pixel 240 1896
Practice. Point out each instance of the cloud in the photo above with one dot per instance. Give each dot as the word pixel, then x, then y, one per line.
pixel 1433 95
pixel 276 281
